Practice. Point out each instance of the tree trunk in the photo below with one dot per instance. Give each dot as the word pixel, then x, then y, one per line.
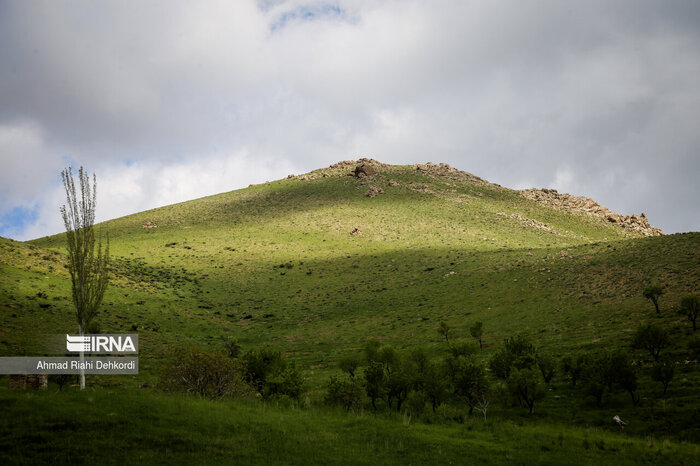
pixel 82 362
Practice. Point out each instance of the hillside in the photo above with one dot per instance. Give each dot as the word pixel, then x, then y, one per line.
pixel 278 264
pixel 315 264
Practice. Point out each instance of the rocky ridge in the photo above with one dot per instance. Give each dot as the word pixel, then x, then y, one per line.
pixel 570 202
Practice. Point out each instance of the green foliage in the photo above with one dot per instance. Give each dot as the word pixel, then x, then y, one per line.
pixel 375 382
pixel 232 348
pixel 205 373
pixel 525 386
pixel 573 366
pixel 653 292
pixel 462 348
pixel 444 331
pixel 690 307
pixel 652 338
pixel 517 353
pixel 548 367
pixel 346 392
pixel 349 364
pixel 477 331
pixel 271 375
pixel 288 382
pixel 415 403
pixel 663 371
pixel 468 380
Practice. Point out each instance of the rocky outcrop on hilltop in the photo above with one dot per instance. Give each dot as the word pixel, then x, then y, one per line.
pixel 361 168
pixel 565 201
pixel 446 171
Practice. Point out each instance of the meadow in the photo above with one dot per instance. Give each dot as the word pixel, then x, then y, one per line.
pixel 275 265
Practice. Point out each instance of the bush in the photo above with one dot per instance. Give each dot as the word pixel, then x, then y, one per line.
pixel 414 404
pixel 663 372
pixel 547 366
pixel 525 386
pixel 517 353
pixel 690 307
pixel 268 372
pixel 468 379
pixel 287 382
pixel 209 374
pixel 651 338
pixel 345 392
pixel 349 364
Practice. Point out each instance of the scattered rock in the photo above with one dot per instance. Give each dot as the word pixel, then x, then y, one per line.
pixel 374 191
pixel 149 224
pixel 529 222
pixel 551 197
pixel 446 171
pixel 364 170
pixel 423 188
pixel 356 232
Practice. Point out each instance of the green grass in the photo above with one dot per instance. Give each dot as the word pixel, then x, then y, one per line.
pixel 275 265
pixel 117 427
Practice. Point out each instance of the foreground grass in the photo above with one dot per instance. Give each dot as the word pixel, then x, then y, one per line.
pixel 140 426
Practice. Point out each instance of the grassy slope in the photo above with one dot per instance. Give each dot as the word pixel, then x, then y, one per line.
pixel 117 427
pixel 275 265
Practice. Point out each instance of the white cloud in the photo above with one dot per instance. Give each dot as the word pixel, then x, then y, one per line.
pixel 588 96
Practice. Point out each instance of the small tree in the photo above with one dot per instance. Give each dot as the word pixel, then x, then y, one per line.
pixel 547 366
pixel 346 392
pixel 690 307
pixel 349 364
pixel 525 386
pixel 651 338
pixel 444 331
pixel 88 266
pixel 375 382
pixel 653 292
pixel 477 331
pixel 663 372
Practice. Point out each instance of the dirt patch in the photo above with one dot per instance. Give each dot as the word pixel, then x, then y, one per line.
pixel 149 224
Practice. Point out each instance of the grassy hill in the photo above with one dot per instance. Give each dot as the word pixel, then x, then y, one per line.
pixel 278 265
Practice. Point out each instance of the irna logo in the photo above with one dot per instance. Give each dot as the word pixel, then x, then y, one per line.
pixel 102 343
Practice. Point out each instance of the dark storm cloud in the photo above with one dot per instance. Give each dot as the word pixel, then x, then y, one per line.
pixel 173 100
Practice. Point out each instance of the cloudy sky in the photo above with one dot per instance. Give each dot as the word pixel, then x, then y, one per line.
pixel 168 101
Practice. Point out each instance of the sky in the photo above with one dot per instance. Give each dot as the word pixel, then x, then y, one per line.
pixel 168 101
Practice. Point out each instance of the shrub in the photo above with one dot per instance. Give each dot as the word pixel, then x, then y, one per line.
pixel 663 372
pixel 349 364
pixel 345 392
pixel 525 386
pixel 477 331
pixel 375 382
pixel 415 404
pixel 286 382
pixel 468 379
pixel 517 353
pixel 651 338
pixel 209 374
pixel 268 372
pixel 547 366
pixel 690 307
pixel 573 366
